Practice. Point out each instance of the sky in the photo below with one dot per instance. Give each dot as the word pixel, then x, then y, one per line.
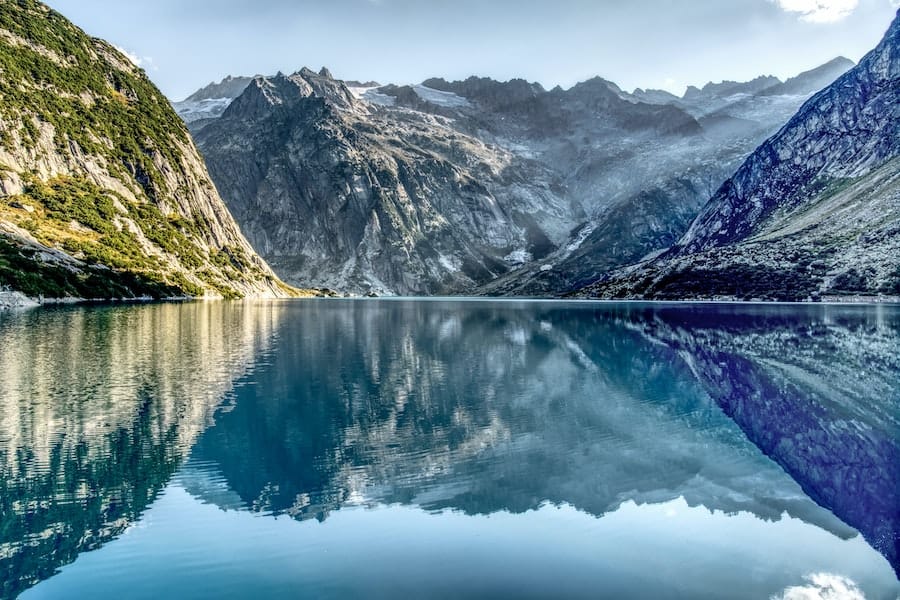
pixel 665 44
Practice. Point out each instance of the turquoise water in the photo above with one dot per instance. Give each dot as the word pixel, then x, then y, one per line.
pixel 449 449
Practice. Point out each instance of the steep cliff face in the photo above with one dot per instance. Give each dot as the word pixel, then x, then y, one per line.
pixel 644 184
pixel 348 195
pixel 841 133
pixel 102 193
pixel 813 211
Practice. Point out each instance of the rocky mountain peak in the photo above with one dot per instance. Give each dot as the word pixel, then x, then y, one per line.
pixel 838 62
pixel 728 88
pixel 813 80
pixel 813 213
pixel 597 93
pixel 692 91
pixel 263 93
pixel 596 85
pixel 653 96
pixel 287 91
pixel 641 163
pixel 354 83
pixel 323 85
pixel 489 93
pixel 229 87
pixel 438 83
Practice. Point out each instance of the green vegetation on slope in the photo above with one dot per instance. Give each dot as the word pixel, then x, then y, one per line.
pixel 845 243
pixel 99 227
pixel 57 78
pixel 22 271
pixel 106 173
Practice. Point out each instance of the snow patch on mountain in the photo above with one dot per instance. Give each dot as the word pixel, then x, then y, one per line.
pixel 445 99
pixel 505 177
pixel 211 108
pixel 373 96
pixel 519 256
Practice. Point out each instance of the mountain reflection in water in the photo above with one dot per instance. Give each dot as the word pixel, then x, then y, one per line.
pixel 98 408
pixel 452 407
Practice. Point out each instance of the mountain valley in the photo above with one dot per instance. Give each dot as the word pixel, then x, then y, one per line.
pixel 475 186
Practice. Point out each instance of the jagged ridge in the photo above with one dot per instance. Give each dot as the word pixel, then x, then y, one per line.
pixel 348 195
pixel 550 171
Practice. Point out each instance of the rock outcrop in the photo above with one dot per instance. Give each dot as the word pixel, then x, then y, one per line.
pixel 352 196
pixel 211 101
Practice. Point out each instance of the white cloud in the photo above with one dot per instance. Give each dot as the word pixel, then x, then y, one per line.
pixel 823 586
pixel 144 62
pixel 134 58
pixel 819 11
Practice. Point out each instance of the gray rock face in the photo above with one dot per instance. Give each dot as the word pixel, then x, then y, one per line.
pixel 643 194
pixel 814 210
pixel 728 88
pixel 651 219
pixel 335 192
pixel 473 186
pixel 813 80
pixel 230 87
pixel 731 111
pixel 842 132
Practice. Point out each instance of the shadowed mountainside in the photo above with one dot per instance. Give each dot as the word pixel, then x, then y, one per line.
pixel 814 211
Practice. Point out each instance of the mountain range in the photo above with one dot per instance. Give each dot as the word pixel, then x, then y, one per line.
pixel 767 189
pixel 474 186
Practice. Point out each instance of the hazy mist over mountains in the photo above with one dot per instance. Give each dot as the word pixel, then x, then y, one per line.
pixel 564 184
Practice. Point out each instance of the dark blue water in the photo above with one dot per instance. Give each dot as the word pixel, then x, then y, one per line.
pixel 450 449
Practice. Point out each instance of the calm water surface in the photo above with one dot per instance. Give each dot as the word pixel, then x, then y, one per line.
pixel 449 449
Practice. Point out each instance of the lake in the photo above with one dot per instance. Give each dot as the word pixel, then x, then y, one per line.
pixel 450 449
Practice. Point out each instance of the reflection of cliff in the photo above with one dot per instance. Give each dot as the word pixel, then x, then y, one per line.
pixel 820 395
pixel 482 407
pixel 97 409
pixel 76 503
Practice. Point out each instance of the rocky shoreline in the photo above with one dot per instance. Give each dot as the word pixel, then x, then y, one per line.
pixel 10 300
